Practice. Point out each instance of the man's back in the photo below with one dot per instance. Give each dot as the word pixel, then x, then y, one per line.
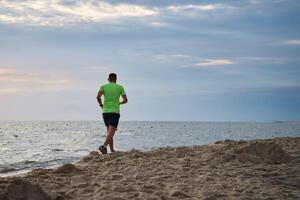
pixel 112 93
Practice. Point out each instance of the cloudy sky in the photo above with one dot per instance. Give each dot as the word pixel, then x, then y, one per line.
pixel 178 60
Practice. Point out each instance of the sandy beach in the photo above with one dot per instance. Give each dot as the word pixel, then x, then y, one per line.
pixel 259 169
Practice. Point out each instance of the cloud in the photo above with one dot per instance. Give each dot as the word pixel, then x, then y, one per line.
pixel 201 7
pixel 9 90
pixel 4 71
pixel 291 42
pixel 158 24
pixel 14 81
pixel 203 11
pixel 58 13
pixel 213 62
pixel 72 12
pixel 33 79
pixel 255 59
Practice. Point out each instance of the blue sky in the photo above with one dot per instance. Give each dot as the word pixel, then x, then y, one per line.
pixel 178 60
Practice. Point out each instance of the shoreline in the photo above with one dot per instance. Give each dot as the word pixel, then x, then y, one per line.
pixel 23 172
pixel 256 169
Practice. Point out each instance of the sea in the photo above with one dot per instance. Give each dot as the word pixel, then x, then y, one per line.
pixel 26 145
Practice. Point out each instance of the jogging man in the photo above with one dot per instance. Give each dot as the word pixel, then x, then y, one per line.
pixel 111 109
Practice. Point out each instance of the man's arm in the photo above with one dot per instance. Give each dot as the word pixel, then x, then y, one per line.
pixel 100 93
pixel 125 100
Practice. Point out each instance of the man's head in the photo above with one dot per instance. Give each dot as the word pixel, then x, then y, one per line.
pixel 112 77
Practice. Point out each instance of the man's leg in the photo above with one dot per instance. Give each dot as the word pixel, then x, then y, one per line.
pixel 111 145
pixel 109 138
pixel 111 121
pixel 103 148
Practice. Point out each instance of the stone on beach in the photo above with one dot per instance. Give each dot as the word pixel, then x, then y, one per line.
pixel 21 189
pixel 267 151
pixel 67 169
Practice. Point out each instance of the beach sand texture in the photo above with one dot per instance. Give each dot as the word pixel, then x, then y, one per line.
pixel 259 169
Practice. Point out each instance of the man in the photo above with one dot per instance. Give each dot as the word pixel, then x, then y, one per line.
pixel 111 109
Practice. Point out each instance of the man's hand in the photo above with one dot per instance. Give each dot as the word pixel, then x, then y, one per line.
pixel 125 100
pixel 100 93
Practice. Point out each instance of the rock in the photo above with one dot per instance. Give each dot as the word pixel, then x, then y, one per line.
pixel 21 189
pixel 180 194
pixel 251 158
pixel 136 153
pixel 7 169
pixel 92 155
pixel 116 177
pixel 67 169
pixel 266 151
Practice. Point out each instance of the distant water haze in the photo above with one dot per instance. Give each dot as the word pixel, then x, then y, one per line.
pixel 32 144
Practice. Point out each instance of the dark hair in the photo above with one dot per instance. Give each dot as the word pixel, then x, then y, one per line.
pixel 112 77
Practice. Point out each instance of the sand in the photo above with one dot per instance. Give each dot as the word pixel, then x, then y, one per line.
pixel 259 169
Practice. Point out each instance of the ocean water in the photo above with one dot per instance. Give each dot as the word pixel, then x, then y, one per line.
pixel 28 145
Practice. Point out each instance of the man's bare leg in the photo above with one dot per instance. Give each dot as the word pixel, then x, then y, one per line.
pixel 111 145
pixel 109 138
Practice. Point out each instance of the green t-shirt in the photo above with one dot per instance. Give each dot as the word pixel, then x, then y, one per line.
pixel 112 93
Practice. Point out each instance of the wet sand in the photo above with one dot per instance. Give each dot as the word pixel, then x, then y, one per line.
pixel 259 169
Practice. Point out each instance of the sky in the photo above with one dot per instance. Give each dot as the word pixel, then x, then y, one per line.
pixel 179 60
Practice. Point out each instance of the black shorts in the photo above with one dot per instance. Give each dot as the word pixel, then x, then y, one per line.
pixel 111 119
